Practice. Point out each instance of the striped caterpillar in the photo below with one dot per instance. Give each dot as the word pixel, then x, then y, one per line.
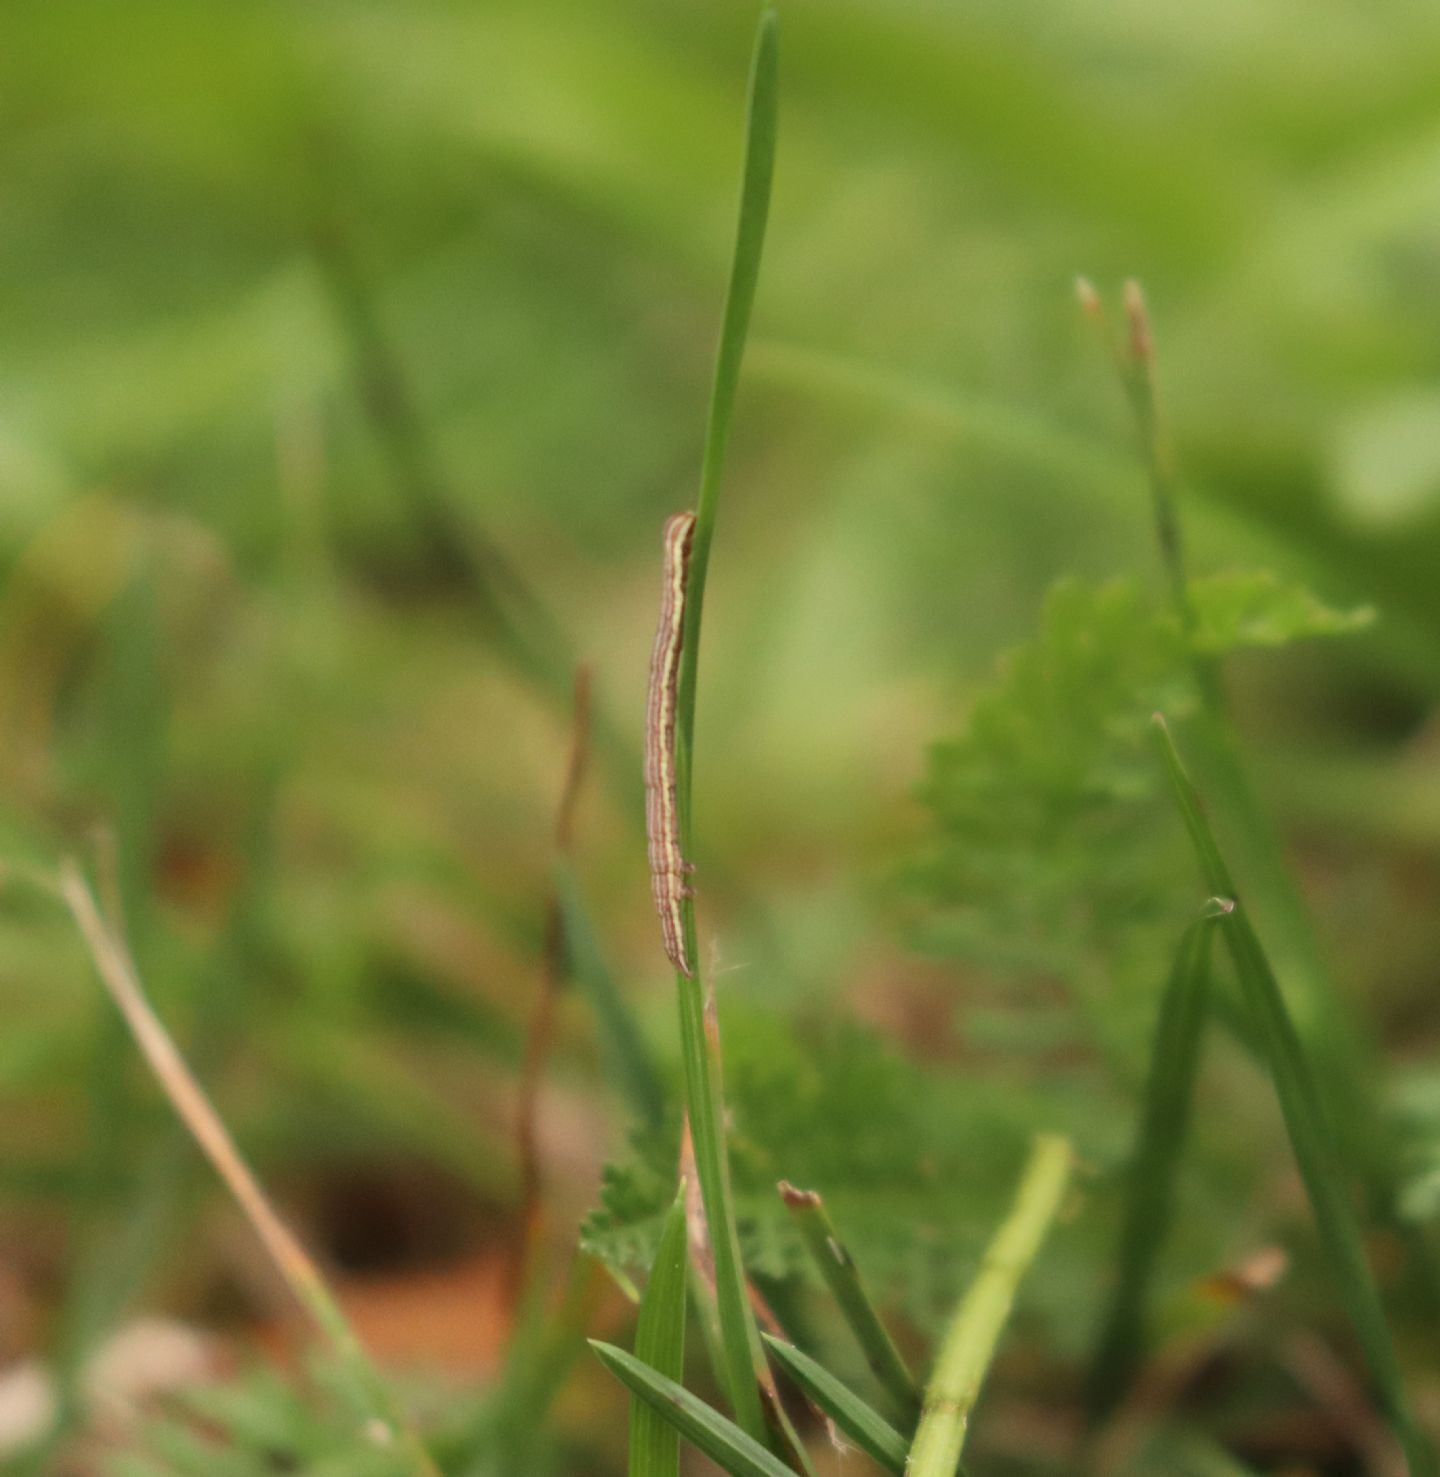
pixel 669 870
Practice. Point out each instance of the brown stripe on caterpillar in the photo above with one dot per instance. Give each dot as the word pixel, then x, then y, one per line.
pixel 668 869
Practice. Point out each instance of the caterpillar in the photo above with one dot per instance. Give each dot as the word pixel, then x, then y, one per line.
pixel 669 870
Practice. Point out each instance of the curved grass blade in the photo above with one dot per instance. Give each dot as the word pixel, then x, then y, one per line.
pixel 1165 1119
pixel 867 1428
pixel 842 1277
pixel 704 1428
pixel 969 1344
pixel 117 973
pixel 1311 1137
pixel 743 1357
pixel 1345 1054
pixel 660 1343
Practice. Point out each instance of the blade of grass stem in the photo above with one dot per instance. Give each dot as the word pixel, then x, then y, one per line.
pixel 300 1273
pixel 969 1343
pixel 1135 366
pixel 660 1343
pixel 702 1259
pixel 835 1264
pixel 1339 1041
pixel 741 1343
pixel 1306 1122
pixel 867 1428
pixel 702 1426
pixel 1150 1177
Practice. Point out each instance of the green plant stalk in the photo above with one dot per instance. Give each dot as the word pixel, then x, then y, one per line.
pixel 1150 1178
pixel 1336 1036
pixel 835 1264
pixel 867 1428
pixel 703 1427
pixel 742 1351
pixel 1311 1138
pixel 660 1343
pixel 300 1273
pixel 969 1344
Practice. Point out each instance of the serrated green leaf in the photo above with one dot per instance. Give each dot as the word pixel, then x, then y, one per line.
pixel 705 1428
pixel 1255 607
pixel 867 1428
pixel 917 1164
pixel 660 1343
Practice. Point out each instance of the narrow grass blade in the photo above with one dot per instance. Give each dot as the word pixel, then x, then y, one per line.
pixel 1345 1055
pixel 1164 1122
pixel 302 1276
pixel 969 1344
pixel 634 1068
pixel 703 1427
pixel 743 1357
pixel 837 1267
pixel 759 172
pixel 1311 1137
pixel 867 1428
pixel 660 1343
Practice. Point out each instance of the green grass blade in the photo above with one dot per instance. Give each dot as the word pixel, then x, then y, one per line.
pixel 634 1068
pixel 1165 1118
pixel 703 1427
pixel 969 1344
pixel 1311 1137
pixel 760 133
pixel 867 1428
pixel 660 1343
pixel 742 1353
pixel 842 1277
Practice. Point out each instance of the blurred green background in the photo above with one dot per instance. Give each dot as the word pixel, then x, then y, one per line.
pixel 338 339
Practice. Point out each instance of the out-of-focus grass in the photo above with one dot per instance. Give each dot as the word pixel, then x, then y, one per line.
pixel 221 637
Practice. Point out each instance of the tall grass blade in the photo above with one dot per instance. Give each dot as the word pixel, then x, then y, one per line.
pixel 1311 1136
pixel 867 1428
pixel 703 1427
pixel 969 1344
pixel 1150 1179
pixel 1340 1046
pixel 842 1277
pixel 660 1343
pixel 759 171
pixel 743 1356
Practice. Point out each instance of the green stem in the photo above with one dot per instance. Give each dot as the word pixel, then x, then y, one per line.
pixel 969 1345
pixel 1312 1138
pixel 1150 1178
pixel 837 1267
pixel 1338 1039
pixel 739 1337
